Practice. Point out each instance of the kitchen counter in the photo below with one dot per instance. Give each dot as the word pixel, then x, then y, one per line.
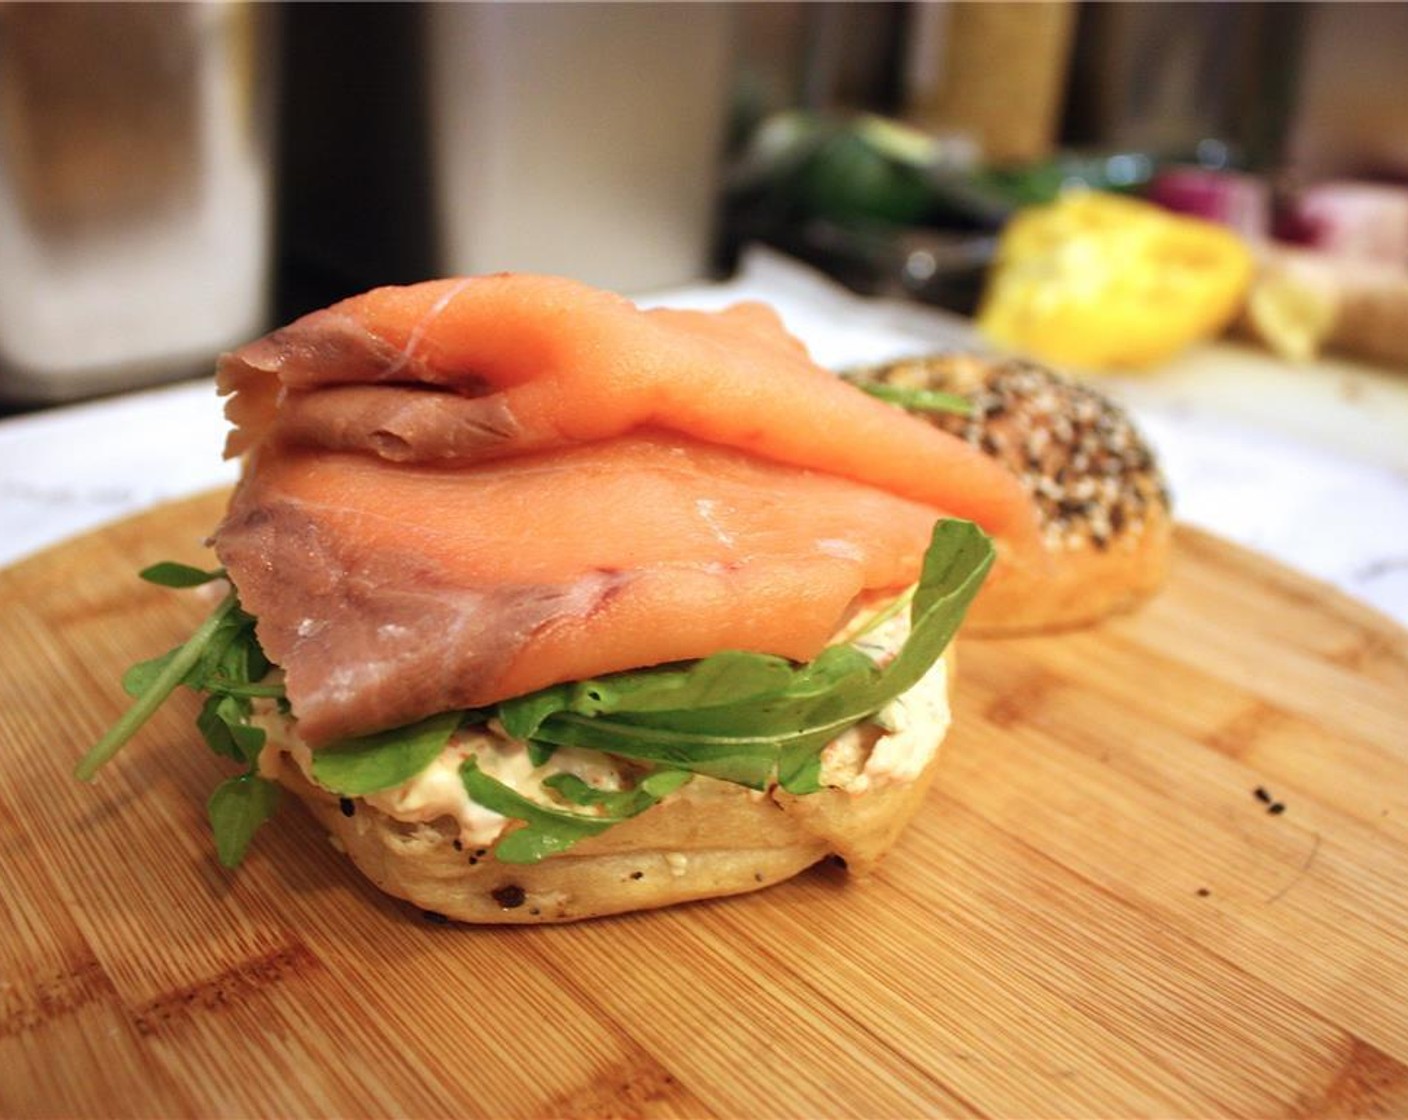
pixel 1308 464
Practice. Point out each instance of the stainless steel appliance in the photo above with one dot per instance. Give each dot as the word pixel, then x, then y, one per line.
pixel 135 191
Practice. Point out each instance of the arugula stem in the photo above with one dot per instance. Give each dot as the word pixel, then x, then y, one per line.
pixel 165 683
pixel 882 616
pixel 918 400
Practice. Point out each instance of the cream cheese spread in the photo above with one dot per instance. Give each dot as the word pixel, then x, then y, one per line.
pixel 892 747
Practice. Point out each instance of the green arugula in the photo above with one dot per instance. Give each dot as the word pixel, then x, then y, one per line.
pixel 372 763
pixel 168 573
pixel 223 660
pixel 750 718
pixel 236 809
pixel 917 400
pixel 547 831
pixel 619 802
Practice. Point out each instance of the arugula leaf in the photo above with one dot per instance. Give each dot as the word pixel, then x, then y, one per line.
pixel 727 678
pixel 918 400
pixel 157 686
pixel 662 783
pixel 548 832
pixel 223 659
pixel 144 674
pixel 240 660
pixel 236 809
pixel 747 717
pixel 618 802
pixel 224 725
pixel 539 753
pixel 356 767
pixel 168 573
pixel 545 831
pixel 670 716
pixel 229 662
pixel 746 762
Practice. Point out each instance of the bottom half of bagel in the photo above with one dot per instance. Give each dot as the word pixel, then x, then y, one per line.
pixel 429 844
pixel 1068 586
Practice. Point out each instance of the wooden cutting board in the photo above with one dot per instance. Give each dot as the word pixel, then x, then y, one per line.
pixel 1164 871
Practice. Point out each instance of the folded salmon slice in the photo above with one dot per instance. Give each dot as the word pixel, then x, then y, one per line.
pixel 393 591
pixel 465 490
pixel 479 368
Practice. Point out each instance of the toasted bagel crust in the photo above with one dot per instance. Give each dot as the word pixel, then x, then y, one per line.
pixel 1104 510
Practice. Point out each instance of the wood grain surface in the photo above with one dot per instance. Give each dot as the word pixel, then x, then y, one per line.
pixel 1096 913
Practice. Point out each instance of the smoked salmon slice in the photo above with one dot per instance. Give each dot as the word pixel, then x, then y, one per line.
pixel 393 591
pixel 464 490
pixel 478 368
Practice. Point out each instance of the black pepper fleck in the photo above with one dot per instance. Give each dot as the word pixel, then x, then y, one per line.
pixel 1276 808
pixel 510 897
pixel 637 874
pixel 1203 892
pixel 347 807
pixel 459 844
pixel 1261 794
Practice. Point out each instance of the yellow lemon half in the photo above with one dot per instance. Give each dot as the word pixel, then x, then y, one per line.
pixel 1101 281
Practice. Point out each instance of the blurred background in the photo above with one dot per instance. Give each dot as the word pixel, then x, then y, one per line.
pixel 177 178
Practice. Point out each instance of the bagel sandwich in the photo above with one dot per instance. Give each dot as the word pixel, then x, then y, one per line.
pixel 548 607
